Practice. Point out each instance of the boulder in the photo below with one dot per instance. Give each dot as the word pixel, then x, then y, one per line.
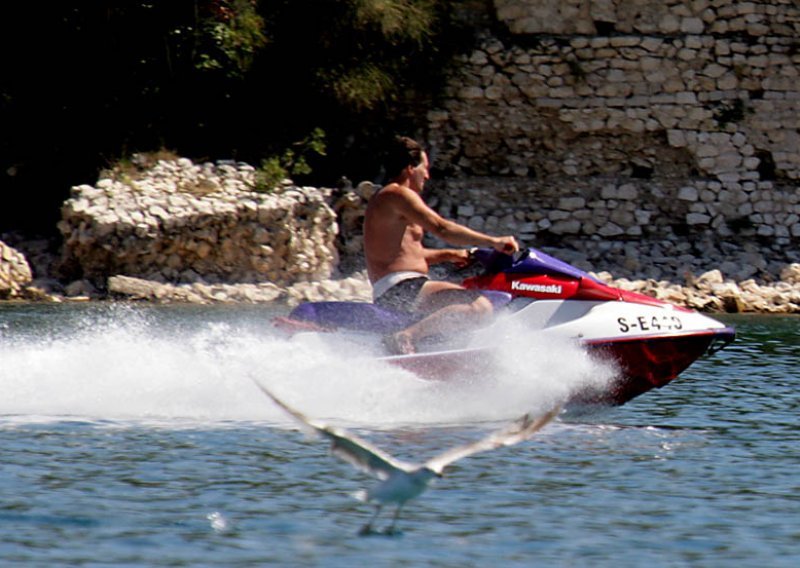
pixel 15 273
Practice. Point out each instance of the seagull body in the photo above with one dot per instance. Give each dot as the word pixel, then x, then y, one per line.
pixel 399 481
pixel 399 487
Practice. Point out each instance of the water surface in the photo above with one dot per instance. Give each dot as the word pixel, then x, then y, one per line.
pixel 134 436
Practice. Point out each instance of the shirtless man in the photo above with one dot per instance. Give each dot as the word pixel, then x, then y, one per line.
pixel 397 262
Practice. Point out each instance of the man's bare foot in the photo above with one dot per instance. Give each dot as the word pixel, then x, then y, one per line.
pixel 399 344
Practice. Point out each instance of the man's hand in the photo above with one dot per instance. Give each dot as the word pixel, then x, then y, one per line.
pixel 461 258
pixel 507 245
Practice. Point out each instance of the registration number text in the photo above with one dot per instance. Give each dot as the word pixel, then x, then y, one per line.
pixel 649 323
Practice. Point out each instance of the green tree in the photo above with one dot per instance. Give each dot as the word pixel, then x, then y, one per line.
pixel 232 34
pixel 87 83
pixel 364 69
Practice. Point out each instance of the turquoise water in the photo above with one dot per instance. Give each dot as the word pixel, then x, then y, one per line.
pixel 133 436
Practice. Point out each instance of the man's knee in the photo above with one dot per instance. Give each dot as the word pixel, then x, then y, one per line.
pixel 482 308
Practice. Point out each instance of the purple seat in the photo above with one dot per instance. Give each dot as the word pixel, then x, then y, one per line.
pixel 365 316
pixel 362 316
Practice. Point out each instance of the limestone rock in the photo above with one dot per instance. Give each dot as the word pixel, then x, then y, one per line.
pixel 15 273
pixel 180 220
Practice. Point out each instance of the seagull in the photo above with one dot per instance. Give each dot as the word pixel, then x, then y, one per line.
pixel 399 481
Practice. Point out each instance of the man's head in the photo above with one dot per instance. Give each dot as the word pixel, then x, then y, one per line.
pixel 406 158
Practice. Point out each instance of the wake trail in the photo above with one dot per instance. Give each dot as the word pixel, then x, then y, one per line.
pixel 126 366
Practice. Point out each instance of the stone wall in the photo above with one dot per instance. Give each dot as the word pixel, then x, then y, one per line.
pixel 633 228
pixel 182 222
pixel 654 17
pixel 630 120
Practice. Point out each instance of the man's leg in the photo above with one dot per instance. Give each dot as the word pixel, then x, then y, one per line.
pixel 450 308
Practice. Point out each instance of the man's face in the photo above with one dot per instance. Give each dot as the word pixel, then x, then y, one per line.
pixel 420 174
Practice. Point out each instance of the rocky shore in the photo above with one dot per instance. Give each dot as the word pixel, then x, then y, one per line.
pixel 175 231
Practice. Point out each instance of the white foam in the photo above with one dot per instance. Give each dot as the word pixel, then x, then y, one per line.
pixel 121 365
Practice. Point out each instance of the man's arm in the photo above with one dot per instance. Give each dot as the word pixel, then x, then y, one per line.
pixel 417 211
pixel 459 257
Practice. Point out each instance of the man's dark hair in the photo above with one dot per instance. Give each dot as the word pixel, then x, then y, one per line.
pixel 402 152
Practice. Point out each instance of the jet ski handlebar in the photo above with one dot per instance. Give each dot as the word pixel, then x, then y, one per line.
pixel 490 257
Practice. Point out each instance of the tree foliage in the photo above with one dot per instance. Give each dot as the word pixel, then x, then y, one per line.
pixel 86 83
pixel 293 162
pixel 234 34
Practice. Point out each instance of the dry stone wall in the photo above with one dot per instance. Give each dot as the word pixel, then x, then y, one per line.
pixel 93 221
pixel 630 120
pixel 182 222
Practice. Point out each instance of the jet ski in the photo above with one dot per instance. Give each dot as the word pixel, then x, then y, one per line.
pixel 648 340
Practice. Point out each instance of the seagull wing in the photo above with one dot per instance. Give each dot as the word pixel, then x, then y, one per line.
pixel 346 446
pixel 518 431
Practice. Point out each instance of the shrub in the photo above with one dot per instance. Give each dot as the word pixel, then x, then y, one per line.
pixel 293 161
